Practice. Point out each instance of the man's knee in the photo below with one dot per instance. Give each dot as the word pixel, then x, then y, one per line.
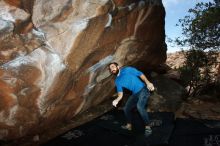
pixel 125 109
pixel 140 107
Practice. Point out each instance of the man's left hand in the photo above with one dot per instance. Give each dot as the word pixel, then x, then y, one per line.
pixel 150 86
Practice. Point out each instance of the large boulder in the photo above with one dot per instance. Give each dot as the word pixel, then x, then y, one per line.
pixel 53 56
pixel 203 107
pixel 168 96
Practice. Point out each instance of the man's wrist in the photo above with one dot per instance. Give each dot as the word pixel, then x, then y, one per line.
pixel 118 99
pixel 148 83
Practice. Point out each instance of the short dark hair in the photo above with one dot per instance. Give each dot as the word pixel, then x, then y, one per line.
pixel 115 63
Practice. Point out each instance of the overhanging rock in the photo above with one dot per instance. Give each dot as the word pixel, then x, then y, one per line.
pixel 53 59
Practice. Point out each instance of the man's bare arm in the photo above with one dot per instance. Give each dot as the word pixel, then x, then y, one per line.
pixel 116 101
pixel 150 86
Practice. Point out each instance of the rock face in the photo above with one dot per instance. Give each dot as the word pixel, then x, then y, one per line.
pixel 177 59
pixel 168 96
pixel 203 107
pixel 53 56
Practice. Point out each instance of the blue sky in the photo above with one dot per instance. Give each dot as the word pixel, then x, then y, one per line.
pixel 175 10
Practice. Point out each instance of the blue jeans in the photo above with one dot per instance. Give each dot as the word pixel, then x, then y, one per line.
pixel 138 100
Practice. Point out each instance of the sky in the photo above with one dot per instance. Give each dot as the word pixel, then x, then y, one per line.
pixel 175 10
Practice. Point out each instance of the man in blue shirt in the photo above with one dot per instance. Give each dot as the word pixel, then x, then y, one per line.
pixel 130 78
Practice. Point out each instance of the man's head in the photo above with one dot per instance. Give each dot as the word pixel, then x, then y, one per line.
pixel 113 68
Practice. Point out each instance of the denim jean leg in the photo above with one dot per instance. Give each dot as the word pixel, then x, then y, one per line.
pixel 130 104
pixel 142 101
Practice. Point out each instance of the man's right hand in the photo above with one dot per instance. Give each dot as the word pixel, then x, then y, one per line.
pixel 115 102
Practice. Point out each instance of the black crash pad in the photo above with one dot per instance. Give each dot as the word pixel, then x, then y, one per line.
pixel 163 126
pixel 106 131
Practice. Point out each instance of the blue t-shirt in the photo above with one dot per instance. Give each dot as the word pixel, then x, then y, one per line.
pixel 129 78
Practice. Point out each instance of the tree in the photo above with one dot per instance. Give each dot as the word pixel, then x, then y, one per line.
pixel 201 35
pixel 201 28
pixel 196 72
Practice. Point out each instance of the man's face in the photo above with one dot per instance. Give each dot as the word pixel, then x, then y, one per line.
pixel 114 69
